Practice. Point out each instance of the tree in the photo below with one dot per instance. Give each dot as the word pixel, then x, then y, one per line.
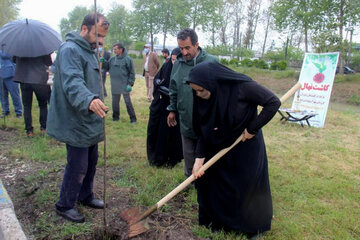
pixel 74 20
pixel 216 23
pixel 225 19
pixel 8 11
pixel 119 30
pixel 341 14
pixel 268 20
pixel 298 15
pixel 146 19
pixel 171 17
pixel 237 7
pixel 200 12
pixel 252 17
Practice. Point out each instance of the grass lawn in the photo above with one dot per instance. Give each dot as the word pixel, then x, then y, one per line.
pixel 314 173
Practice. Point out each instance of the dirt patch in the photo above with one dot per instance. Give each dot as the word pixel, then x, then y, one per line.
pixel 21 181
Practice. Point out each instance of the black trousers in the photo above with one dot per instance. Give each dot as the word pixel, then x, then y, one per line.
pixel 129 106
pixel 79 176
pixel 42 93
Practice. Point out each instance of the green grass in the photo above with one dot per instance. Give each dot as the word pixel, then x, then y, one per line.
pixel 314 173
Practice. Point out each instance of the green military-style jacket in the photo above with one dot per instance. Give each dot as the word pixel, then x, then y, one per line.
pixel 122 73
pixel 181 97
pixel 76 84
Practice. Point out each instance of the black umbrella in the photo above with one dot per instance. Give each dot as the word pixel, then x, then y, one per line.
pixel 28 38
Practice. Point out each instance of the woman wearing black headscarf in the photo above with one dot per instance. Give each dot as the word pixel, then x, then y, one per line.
pixel 234 194
pixel 163 143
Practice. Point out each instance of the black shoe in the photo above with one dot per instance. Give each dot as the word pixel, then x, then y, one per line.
pixel 115 119
pixel 18 116
pixel 94 203
pixel 71 215
pixel 133 122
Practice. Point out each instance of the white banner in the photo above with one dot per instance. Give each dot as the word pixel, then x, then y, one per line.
pixel 316 78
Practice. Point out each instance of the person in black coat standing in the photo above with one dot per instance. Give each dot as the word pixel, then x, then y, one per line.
pixel 234 194
pixel 163 142
pixel 32 73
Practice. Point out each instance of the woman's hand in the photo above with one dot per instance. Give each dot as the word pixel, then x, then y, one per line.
pixel 247 135
pixel 199 162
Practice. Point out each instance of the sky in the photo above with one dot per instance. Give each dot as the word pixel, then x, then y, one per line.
pixel 51 12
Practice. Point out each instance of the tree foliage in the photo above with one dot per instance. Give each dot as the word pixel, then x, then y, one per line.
pixel 74 20
pixel 298 15
pixel 8 11
pixel 120 27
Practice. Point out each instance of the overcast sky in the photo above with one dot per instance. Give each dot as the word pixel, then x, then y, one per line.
pixel 51 12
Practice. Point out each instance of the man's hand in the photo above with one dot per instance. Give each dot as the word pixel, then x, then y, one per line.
pixel 246 135
pixel 98 107
pixel 171 121
pixel 128 88
pixel 199 162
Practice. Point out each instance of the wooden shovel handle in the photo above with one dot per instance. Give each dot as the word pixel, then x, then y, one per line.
pixel 217 156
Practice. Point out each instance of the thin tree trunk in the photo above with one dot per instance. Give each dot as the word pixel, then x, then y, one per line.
pixel 266 34
pixel 341 25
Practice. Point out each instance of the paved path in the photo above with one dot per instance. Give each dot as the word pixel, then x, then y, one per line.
pixel 10 228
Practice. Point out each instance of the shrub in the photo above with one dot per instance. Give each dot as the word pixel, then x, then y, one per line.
pixel 234 61
pixel 224 61
pixel 274 66
pixel 262 64
pixel 246 62
pixel 132 55
pixel 282 65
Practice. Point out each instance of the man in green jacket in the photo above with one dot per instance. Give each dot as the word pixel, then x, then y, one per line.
pixel 181 97
pixel 76 115
pixel 122 78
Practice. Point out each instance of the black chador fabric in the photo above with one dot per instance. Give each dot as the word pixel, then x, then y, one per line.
pixel 234 193
pixel 164 145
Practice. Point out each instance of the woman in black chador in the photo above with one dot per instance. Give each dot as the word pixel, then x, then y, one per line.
pixel 234 194
pixel 163 143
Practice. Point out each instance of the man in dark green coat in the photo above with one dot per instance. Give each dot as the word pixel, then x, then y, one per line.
pixel 76 115
pixel 181 97
pixel 122 78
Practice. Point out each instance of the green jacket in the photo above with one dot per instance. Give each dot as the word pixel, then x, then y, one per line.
pixel 76 84
pixel 122 73
pixel 181 96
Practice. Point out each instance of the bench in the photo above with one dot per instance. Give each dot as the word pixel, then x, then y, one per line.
pixel 291 115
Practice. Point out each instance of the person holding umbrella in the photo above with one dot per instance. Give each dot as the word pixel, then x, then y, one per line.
pixel 32 74
pixel 76 114
pixel 31 42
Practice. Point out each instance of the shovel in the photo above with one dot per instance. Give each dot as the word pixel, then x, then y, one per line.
pixel 136 220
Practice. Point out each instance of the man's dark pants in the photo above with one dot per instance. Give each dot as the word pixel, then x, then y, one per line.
pixel 42 93
pixel 129 106
pixel 79 176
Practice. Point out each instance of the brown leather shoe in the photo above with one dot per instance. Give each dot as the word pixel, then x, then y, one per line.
pixel 30 134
